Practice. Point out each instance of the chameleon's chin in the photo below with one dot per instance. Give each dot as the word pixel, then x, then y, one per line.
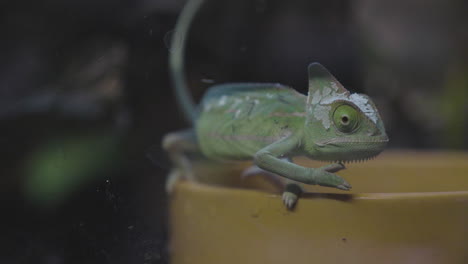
pixel 359 158
pixel 350 149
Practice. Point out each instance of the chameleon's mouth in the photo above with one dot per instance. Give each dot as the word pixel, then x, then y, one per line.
pixel 352 141
pixel 351 149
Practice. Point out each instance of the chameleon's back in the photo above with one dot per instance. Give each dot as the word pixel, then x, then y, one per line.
pixel 236 120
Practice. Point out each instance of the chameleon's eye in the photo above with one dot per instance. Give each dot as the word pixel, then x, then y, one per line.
pixel 346 118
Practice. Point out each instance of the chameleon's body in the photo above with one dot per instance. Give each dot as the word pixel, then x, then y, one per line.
pixel 237 120
pixel 271 123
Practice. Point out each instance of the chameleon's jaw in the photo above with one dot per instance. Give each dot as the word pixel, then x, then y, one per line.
pixel 376 140
pixel 350 149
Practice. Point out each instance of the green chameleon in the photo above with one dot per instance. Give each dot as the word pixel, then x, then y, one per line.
pixel 271 123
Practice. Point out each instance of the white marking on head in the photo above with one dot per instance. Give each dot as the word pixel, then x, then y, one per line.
pixel 364 105
pixel 334 86
pixel 321 113
pixel 316 97
pixel 326 91
pixel 318 104
pixel 333 97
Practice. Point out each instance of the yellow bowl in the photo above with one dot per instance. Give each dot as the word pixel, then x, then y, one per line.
pixel 405 207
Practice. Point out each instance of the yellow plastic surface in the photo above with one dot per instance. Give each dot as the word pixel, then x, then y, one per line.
pixel 405 207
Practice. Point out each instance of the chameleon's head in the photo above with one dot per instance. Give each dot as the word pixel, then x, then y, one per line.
pixel 340 126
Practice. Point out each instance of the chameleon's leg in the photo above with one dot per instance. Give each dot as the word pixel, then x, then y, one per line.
pixel 273 178
pixel 267 159
pixel 293 191
pixel 177 145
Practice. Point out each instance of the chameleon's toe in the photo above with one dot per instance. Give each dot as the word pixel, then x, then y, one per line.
pixel 344 186
pixel 290 199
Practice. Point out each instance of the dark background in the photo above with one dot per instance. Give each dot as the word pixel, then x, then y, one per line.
pixel 85 99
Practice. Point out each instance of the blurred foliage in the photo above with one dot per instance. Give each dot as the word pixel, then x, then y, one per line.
pixel 455 108
pixel 57 169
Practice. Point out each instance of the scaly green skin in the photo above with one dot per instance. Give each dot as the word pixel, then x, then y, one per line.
pixel 271 123
pixel 237 120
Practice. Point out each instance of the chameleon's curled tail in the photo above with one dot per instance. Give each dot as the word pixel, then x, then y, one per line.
pixel 176 59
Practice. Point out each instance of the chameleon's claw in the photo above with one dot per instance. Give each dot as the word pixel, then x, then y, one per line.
pixel 289 199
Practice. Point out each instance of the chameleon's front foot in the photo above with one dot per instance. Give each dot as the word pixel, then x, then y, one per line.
pixel 332 180
pixel 344 186
pixel 324 177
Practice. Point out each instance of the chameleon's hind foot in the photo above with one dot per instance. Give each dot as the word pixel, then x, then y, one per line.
pixel 289 199
pixel 178 144
pixel 291 195
pixel 174 176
